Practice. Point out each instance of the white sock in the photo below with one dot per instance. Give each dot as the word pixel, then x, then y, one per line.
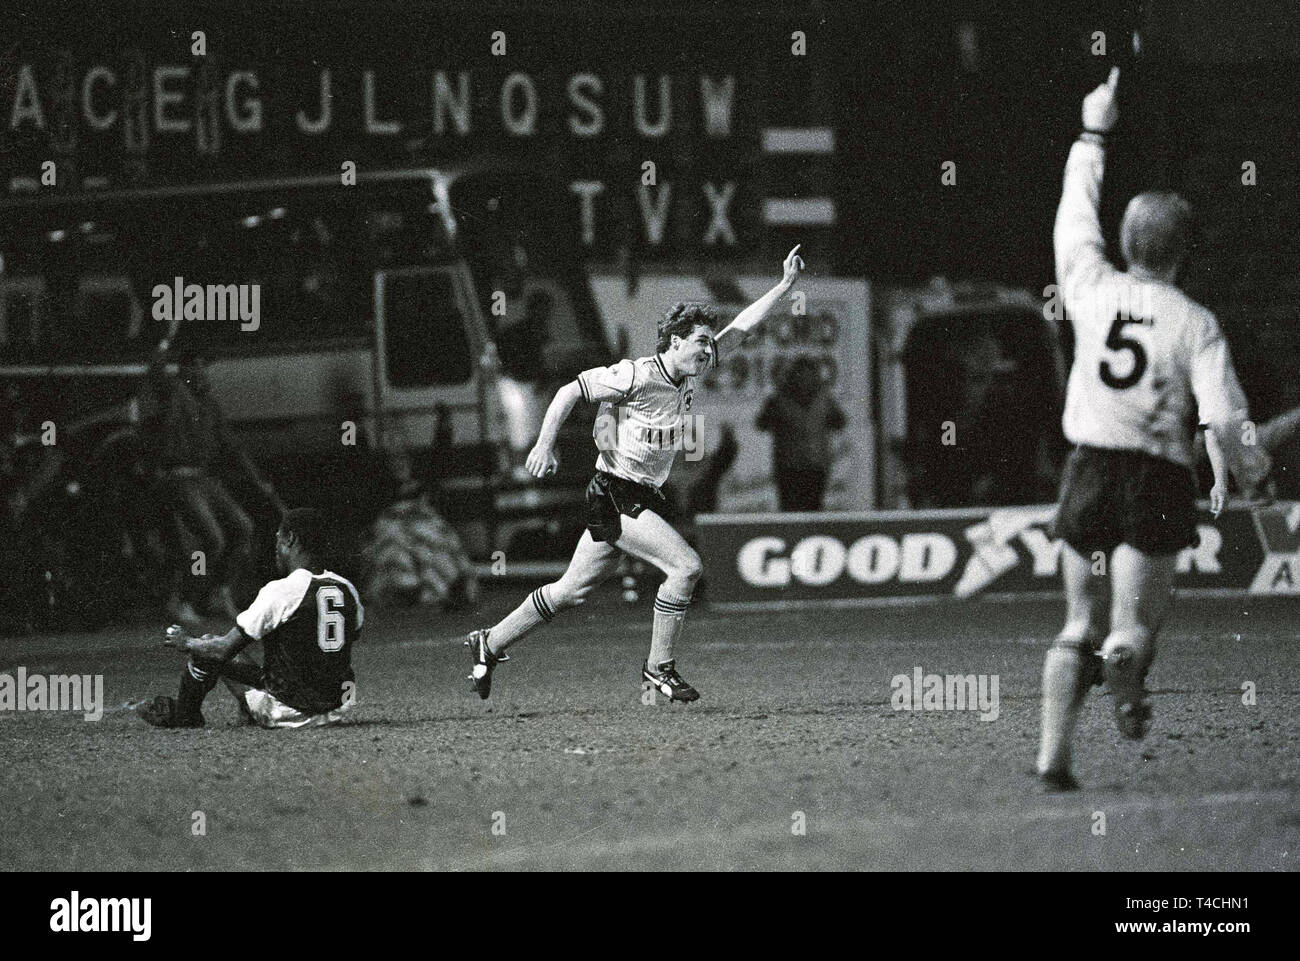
pixel 670 618
pixel 1063 693
pixel 535 611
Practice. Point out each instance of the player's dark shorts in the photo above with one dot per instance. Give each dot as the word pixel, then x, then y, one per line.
pixel 1113 497
pixel 610 496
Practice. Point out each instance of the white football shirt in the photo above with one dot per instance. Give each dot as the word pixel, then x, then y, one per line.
pixel 278 601
pixel 1149 362
pixel 642 418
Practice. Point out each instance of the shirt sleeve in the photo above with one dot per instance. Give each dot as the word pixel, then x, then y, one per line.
pixel 1219 397
pixel 608 383
pixel 1077 238
pixel 275 604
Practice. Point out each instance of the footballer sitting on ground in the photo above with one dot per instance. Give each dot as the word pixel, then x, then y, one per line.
pixel 307 622
pixel 645 402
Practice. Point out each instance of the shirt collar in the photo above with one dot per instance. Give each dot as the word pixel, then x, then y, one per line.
pixel 664 370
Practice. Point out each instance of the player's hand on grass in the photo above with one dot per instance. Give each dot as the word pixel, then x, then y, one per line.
pixel 176 636
pixel 792 267
pixel 541 461
pixel 1218 497
pixel 1100 108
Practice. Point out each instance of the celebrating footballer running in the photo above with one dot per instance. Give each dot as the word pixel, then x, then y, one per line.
pixel 646 402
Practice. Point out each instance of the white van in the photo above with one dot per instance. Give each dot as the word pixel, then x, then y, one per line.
pixel 375 304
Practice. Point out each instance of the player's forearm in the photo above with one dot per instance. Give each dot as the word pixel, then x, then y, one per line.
pixel 755 312
pixel 1218 462
pixel 219 648
pixel 566 398
pixel 1219 468
pixel 1077 233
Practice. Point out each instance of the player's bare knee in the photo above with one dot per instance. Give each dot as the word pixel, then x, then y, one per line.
pixel 1134 638
pixel 688 570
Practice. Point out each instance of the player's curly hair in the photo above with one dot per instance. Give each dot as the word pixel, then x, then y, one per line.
pixel 312 531
pixel 683 318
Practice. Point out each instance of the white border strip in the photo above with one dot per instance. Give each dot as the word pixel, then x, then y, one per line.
pixel 524 569
pixel 799 212
pixel 833 517
pixel 799 140
pixel 917 600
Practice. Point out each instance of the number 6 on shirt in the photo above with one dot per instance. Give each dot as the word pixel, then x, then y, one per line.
pixel 329 620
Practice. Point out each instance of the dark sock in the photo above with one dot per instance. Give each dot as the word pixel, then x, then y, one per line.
pixel 195 684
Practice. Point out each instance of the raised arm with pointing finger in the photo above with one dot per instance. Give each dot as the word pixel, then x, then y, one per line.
pixel 1150 362
pixel 677 357
pixel 753 315
pixel 1080 247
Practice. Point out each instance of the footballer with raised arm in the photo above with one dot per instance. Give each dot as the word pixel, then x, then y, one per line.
pixel 306 622
pixel 644 404
pixel 1149 364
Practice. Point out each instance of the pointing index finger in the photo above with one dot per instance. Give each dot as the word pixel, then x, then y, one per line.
pixel 1113 80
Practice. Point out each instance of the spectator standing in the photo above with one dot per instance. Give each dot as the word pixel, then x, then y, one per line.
pixel 195 444
pixel 801 416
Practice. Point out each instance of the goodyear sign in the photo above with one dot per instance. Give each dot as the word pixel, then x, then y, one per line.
pixel 754 560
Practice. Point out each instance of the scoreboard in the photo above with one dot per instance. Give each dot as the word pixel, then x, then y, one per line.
pixel 661 138
pixel 673 134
